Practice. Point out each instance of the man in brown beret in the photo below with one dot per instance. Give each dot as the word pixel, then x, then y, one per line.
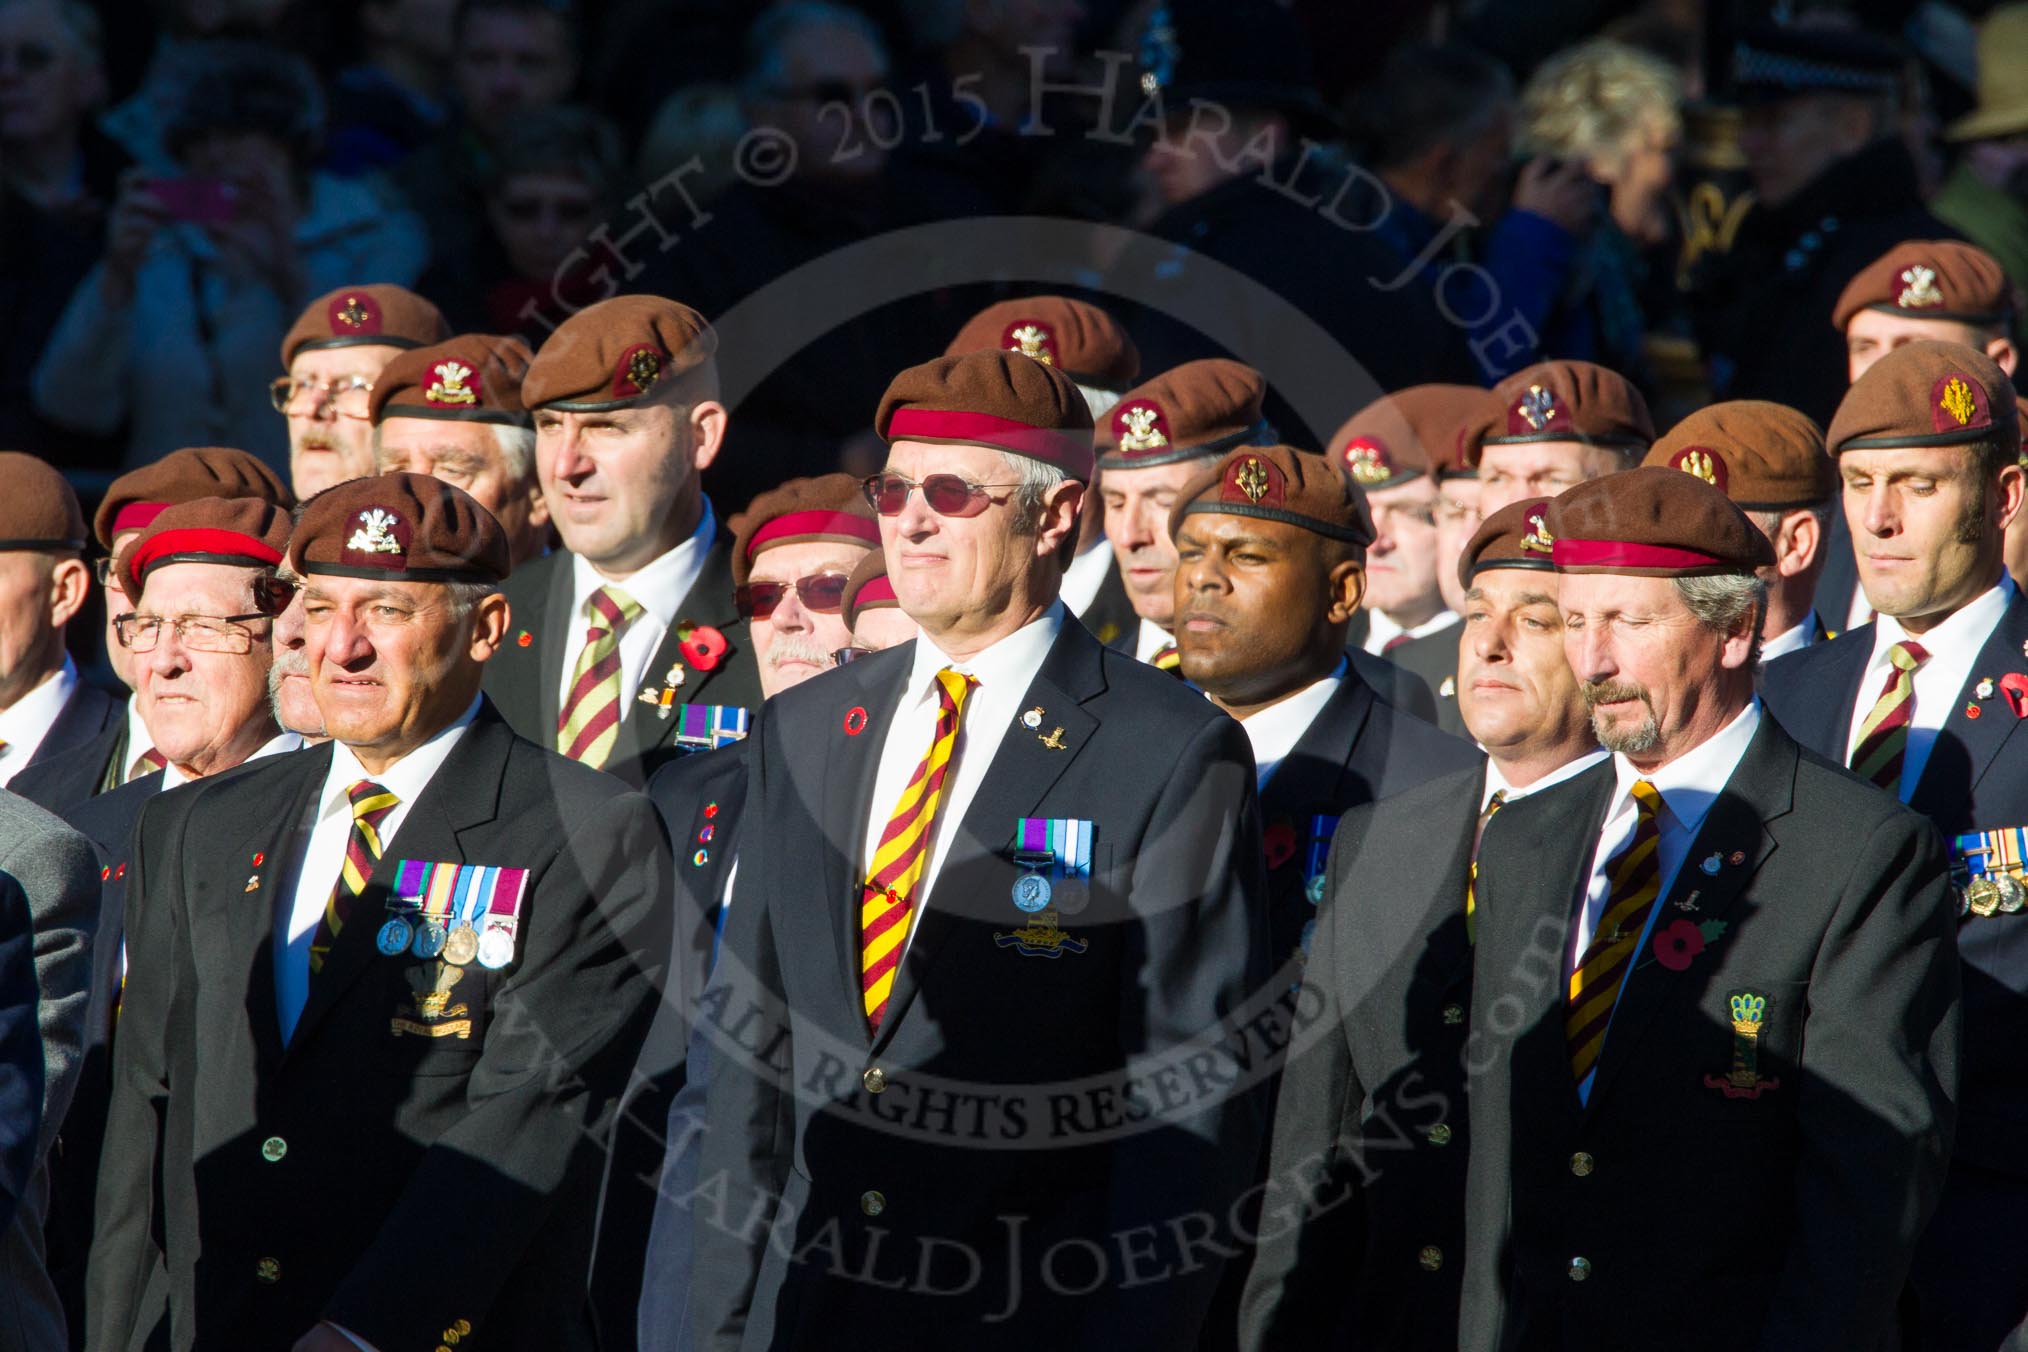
pixel 1769 459
pixel 1943 289
pixel 331 357
pixel 1392 962
pixel 1924 702
pixel 1713 992
pixel 46 712
pixel 1545 429
pixel 794 548
pixel 430 984
pixel 640 599
pixel 1036 859
pixel 873 612
pixel 453 410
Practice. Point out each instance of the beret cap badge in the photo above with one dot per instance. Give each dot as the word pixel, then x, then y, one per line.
pixel 1703 462
pixel 355 314
pixel 1366 460
pixel 1919 289
pixel 1141 428
pixel 639 367
pixel 1537 407
pixel 1538 539
pixel 1252 478
pixel 376 533
pixel 1957 400
pixel 1034 340
pixel 454 384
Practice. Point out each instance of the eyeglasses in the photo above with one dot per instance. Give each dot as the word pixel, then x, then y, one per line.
pixel 946 494
pixel 822 592
pixel 349 396
pixel 102 571
pixel 199 633
pixel 272 594
pixel 845 655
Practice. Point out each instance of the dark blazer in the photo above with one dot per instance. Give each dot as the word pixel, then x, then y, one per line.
pixel 485 1142
pixel 74 756
pixel 1166 942
pixel 1976 779
pixel 1371 1120
pixel 1434 660
pixel 1777 1212
pixel 20 1051
pixel 1110 616
pixel 698 798
pixel 523 681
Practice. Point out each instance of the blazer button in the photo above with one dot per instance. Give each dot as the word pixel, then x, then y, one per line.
pixel 273 1149
pixel 1582 1164
pixel 1580 1268
pixel 872 1203
pixel 268 1271
pixel 1440 1134
pixel 1431 1257
pixel 875 1079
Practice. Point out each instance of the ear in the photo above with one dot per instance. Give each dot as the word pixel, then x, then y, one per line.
pixel 2001 349
pixel 1059 517
pixel 1738 650
pixel 1346 585
pixel 538 507
pixel 708 422
pixel 489 626
pixel 2011 483
pixel 69 584
pixel 1800 540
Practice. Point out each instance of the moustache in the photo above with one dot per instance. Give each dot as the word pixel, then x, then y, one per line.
pixel 795 648
pixel 1612 692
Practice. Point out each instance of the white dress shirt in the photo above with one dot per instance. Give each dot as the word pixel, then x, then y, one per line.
pixel 319 861
pixel 1087 572
pixel 659 589
pixel 1790 640
pixel 1150 639
pixel 1380 630
pixel 1004 672
pixel 140 741
pixel 1687 786
pixel 1275 730
pixel 274 746
pixel 1953 647
pixel 24 723
pixel 1497 782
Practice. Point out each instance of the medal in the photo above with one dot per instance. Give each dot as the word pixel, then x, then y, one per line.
pixel 2013 896
pixel 1031 892
pixel 430 937
pixel 1070 895
pixel 395 937
pixel 496 947
pixel 1983 896
pixel 462 946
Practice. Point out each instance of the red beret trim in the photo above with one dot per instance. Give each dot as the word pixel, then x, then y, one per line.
pixel 1624 554
pixel 229 545
pixel 803 525
pixel 878 591
pixel 137 516
pixel 1042 443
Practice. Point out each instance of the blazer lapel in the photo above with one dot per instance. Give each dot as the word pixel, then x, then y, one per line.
pixel 464 792
pixel 1761 789
pixel 559 636
pixel 1450 951
pixel 708 602
pixel 1313 772
pixel 1966 746
pixel 1827 723
pixel 1023 771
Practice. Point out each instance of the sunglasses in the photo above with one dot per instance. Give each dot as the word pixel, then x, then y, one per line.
pixel 946 494
pixel 823 593
pixel 852 654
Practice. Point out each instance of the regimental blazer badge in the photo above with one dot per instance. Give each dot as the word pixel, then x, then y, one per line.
pixel 1743 1080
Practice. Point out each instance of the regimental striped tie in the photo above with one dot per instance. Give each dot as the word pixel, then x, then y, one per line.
pixel 1167 659
pixel 1883 737
pixel 589 726
pixel 1636 876
pixel 370 806
pixel 147 763
pixel 887 899
pixel 1493 805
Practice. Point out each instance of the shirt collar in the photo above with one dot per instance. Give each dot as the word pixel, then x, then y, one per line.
pixel 1275 730
pixel 1497 782
pixel 1691 783
pixel 1963 630
pixel 1009 664
pixel 26 722
pixel 1790 640
pixel 407 777
pixel 1150 639
pixel 659 586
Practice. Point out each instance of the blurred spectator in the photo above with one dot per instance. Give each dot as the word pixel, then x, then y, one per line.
pixel 58 175
pixel 508 58
pixel 555 176
pixel 176 330
pixel 1837 189
pixel 392 102
pixel 1986 195
pixel 702 123
pixel 1615 112
pixel 1438 128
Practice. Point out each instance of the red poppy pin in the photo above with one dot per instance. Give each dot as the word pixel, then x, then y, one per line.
pixel 703 647
pixel 1278 843
pixel 2014 686
pixel 855 721
pixel 524 638
pixel 1676 945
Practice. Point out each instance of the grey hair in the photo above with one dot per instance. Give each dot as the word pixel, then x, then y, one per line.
pixel 1720 601
pixel 1770 523
pixel 517 450
pixel 465 597
pixel 1033 480
pixel 1099 401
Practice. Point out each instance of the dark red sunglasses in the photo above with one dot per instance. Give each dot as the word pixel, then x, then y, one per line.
pixel 823 593
pixel 946 494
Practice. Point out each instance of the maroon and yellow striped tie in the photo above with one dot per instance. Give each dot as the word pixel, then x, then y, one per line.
pixel 1636 881
pixel 1167 659
pixel 887 900
pixel 589 726
pixel 370 806
pixel 1883 737
pixel 147 763
pixel 1493 805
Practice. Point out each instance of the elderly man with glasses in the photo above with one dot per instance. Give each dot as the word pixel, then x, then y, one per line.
pixel 332 355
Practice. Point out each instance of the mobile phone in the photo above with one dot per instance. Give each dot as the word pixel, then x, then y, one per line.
pixel 201 201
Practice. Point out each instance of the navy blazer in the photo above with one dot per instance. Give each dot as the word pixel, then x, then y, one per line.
pixel 70 762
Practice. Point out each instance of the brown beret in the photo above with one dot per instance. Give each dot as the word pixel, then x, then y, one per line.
pixel 238 532
pixel 1405 435
pixel 1280 483
pixel 183 476
pixel 995 399
pixel 610 355
pixel 1652 522
pixel 1765 457
pixel 1930 279
pixel 1927 393
pixel 1195 411
pixel 1074 336
pixel 1512 537
pixel 362 316
pixel 475 377
pixel 828 507
pixel 869 588
pixel 1566 401
pixel 399 528
pixel 39 510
